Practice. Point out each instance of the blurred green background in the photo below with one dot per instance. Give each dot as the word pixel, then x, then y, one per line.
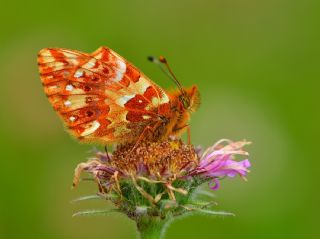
pixel 257 66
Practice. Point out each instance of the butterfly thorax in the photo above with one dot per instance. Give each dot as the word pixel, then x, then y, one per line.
pixel 179 116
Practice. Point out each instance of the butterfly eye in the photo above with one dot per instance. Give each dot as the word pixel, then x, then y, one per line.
pixel 185 101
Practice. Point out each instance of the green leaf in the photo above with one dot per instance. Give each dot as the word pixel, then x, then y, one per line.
pixel 215 213
pixel 95 212
pixel 201 204
pixel 201 192
pixel 85 198
pixel 95 196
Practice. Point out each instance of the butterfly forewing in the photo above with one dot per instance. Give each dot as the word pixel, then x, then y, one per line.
pixel 100 96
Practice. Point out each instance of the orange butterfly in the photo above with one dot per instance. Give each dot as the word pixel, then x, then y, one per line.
pixel 103 98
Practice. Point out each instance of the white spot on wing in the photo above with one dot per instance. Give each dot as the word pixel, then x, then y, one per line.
pixel 72 118
pixel 146 116
pixel 91 128
pixel 67 103
pixel 69 88
pixel 120 71
pixel 124 99
pixel 78 74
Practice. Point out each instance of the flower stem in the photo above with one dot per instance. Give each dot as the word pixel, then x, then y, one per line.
pixel 150 227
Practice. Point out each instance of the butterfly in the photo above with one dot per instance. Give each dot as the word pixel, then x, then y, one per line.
pixel 103 98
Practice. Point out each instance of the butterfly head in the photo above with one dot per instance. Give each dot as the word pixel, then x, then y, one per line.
pixel 190 98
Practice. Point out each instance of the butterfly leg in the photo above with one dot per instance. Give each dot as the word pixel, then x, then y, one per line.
pixel 177 131
pixel 107 153
pixel 147 129
pixel 189 134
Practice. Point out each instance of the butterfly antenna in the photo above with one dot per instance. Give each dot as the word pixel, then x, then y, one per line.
pixel 169 73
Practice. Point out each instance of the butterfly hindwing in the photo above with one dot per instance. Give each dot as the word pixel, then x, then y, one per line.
pixel 100 96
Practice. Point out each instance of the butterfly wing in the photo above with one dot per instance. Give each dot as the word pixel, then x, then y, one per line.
pixel 100 96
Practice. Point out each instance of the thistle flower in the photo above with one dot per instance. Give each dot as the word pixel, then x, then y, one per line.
pixel 217 161
pixel 154 182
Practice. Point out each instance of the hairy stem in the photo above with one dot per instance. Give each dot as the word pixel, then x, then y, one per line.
pixel 151 227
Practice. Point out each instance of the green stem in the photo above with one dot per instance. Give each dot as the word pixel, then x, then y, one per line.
pixel 151 227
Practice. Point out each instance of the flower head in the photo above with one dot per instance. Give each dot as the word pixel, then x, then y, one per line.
pixel 153 182
pixel 159 164
pixel 158 178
